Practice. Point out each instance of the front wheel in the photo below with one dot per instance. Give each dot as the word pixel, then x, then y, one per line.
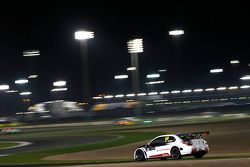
pixel 175 153
pixel 198 156
pixel 139 155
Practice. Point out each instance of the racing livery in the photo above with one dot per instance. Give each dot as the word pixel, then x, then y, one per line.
pixel 174 146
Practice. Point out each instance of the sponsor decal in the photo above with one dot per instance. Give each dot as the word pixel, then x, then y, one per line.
pixel 159 155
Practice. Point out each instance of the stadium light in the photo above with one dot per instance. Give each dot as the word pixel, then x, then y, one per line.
pixel 121 76
pixel 198 90
pixel 21 81
pixel 245 87
pixel 33 76
pixel 221 88
pixel 154 82
pixel 209 89
pixel 164 92
pixel 97 98
pixel 187 91
pixel 246 77
pixel 135 46
pixel 130 95
pixel 152 93
pixel 162 70
pixel 83 35
pixel 25 93
pixel 119 96
pixel 219 70
pixel 141 94
pixel 176 32
pixel 108 97
pixel 11 91
pixel 4 87
pixel 131 68
pixel 31 53
pixel 234 61
pixel 59 89
pixel 59 83
pixel 153 75
pixel 175 91
pixel 233 87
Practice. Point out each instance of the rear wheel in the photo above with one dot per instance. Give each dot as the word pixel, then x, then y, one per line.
pixel 175 153
pixel 139 155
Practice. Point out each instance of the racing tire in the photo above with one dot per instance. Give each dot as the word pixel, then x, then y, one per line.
pixel 175 153
pixel 163 158
pixel 198 156
pixel 139 155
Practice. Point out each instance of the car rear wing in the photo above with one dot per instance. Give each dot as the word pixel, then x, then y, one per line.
pixel 198 135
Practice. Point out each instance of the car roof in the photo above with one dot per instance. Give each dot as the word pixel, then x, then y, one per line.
pixel 166 135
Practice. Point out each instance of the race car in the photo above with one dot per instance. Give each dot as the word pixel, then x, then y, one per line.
pixel 174 146
pixel 126 121
pixel 10 130
pixel 132 121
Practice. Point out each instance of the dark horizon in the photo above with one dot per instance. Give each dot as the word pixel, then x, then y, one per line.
pixel 212 38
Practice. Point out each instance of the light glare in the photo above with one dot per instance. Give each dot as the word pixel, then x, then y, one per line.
pixel 82 35
pixel 219 70
pixel 234 61
pixel 59 83
pixel 135 46
pixel 25 93
pixel 221 88
pixel 21 81
pixel 141 94
pixel 59 89
pixel 198 90
pixel 176 32
pixel 31 53
pixel 245 87
pixel 4 87
pixel 131 68
pixel 121 76
pixel 154 82
pixel 209 89
pixel 187 91
pixel 233 87
pixel 153 75
pixel 153 93
pixel 246 77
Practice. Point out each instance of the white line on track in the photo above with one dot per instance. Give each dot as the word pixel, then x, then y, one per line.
pixel 19 144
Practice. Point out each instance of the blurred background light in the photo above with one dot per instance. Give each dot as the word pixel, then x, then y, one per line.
pixel 4 87
pixel 121 76
pixel 135 46
pixel 219 70
pixel 59 83
pixel 176 32
pixel 82 35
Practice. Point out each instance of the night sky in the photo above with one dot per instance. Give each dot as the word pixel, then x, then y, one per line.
pixel 214 35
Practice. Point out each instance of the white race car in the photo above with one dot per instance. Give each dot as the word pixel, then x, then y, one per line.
pixel 174 146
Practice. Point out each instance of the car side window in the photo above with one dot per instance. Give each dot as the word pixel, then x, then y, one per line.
pixel 170 139
pixel 158 142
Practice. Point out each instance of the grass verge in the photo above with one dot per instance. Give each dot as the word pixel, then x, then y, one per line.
pixel 4 145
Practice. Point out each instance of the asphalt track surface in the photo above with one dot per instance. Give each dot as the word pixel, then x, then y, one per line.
pixel 237 162
pixel 48 142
